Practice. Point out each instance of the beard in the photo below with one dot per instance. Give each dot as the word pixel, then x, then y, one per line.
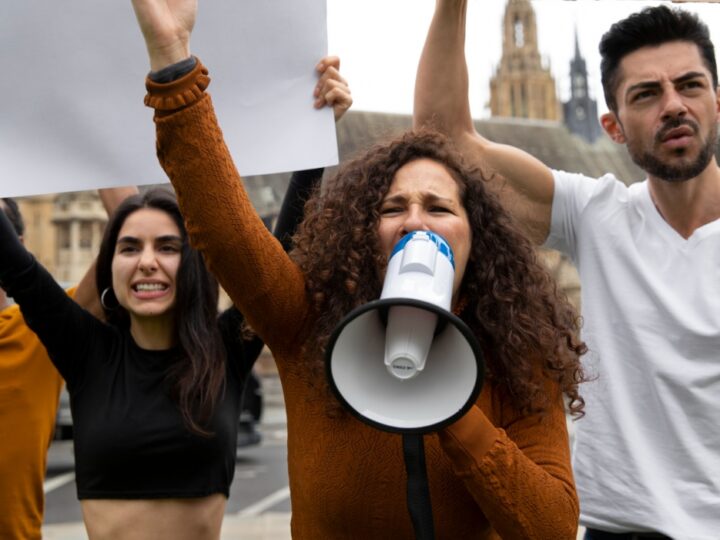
pixel 683 170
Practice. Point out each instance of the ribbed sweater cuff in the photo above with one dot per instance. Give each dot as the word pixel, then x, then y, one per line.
pixel 180 93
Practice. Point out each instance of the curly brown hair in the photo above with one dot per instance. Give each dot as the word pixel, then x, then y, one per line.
pixel 526 328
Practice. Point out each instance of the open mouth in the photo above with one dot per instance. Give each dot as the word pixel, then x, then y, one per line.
pixel 149 287
pixel 148 291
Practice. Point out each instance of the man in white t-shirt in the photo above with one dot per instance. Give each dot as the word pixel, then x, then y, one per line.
pixel 647 453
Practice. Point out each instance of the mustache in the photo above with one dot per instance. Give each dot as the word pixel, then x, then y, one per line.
pixel 674 123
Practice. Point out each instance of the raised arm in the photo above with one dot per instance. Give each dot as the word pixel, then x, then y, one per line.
pixel 441 86
pixel 166 26
pixel 112 197
pixel 86 293
pixel 57 320
pixel 523 183
pixel 262 281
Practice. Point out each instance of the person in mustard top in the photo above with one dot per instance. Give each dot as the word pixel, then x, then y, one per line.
pixel 502 470
pixel 29 391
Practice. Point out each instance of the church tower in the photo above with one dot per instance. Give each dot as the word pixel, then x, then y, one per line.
pixel 521 86
pixel 581 116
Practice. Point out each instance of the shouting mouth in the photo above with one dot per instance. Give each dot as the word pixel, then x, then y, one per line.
pixel 149 290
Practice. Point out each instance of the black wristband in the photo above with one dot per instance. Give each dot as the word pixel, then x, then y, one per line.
pixel 174 71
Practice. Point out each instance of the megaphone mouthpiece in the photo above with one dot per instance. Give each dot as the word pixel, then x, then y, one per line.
pixel 408 338
pixel 421 267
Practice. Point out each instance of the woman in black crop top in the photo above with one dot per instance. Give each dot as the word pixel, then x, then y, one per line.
pixel 155 391
pixel 145 431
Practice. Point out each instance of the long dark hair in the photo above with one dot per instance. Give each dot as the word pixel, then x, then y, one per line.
pixel 527 329
pixel 197 375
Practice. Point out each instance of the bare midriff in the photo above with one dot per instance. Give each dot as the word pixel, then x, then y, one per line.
pixel 150 519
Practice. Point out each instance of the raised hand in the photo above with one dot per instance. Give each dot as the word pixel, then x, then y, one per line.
pixel 166 26
pixel 332 89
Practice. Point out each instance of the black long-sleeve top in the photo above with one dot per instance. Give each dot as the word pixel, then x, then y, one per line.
pixel 301 186
pixel 130 439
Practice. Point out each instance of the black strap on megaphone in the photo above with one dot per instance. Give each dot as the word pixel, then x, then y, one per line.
pixel 341 379
pixel 418 491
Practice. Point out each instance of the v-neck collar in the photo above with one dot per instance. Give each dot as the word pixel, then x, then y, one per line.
pixel 662 226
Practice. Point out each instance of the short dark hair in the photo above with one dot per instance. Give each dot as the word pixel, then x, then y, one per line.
pixel 12 211
pixel 197 377
pixel 653 26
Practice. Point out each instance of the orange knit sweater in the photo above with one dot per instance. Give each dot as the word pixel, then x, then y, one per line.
pixel 492 474
pixel 29 390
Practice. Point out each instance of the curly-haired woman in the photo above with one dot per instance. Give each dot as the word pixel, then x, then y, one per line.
pixel 503 470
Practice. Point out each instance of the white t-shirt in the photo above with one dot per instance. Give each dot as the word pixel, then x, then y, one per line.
pixel 647 453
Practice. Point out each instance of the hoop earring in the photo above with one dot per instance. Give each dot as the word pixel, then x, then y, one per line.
pixel 103 301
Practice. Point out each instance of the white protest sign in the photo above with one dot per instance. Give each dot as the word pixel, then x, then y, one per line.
pixel 71 109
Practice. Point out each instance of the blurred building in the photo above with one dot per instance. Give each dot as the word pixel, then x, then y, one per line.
pixel 79 220
pixel 580 111
pixel 39 233
pixel 64 231
pixel 522 86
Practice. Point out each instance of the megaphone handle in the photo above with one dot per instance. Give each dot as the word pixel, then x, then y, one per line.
pixel 418 491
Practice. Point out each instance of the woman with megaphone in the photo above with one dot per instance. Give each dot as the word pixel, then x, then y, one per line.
pixel 500 470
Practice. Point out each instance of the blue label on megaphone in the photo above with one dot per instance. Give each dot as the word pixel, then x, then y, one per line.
pixel 440 242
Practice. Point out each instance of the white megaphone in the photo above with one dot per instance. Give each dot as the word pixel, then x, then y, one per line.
pixel 405 363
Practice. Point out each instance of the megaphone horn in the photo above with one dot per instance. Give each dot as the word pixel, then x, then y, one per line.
pixel 405 363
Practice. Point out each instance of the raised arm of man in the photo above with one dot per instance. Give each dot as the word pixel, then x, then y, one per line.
pixel 523 183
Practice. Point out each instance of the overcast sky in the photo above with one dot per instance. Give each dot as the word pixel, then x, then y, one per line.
pixel 74 70
pixel 379 43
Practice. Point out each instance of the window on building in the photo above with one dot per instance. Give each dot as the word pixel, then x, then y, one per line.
pixel 86 234
pixel 579 82
pixel 519 33
pixel 63 236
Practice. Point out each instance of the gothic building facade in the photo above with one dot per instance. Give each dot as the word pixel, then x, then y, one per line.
pixel 580 111
pixel 522 86
pixel 64 231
